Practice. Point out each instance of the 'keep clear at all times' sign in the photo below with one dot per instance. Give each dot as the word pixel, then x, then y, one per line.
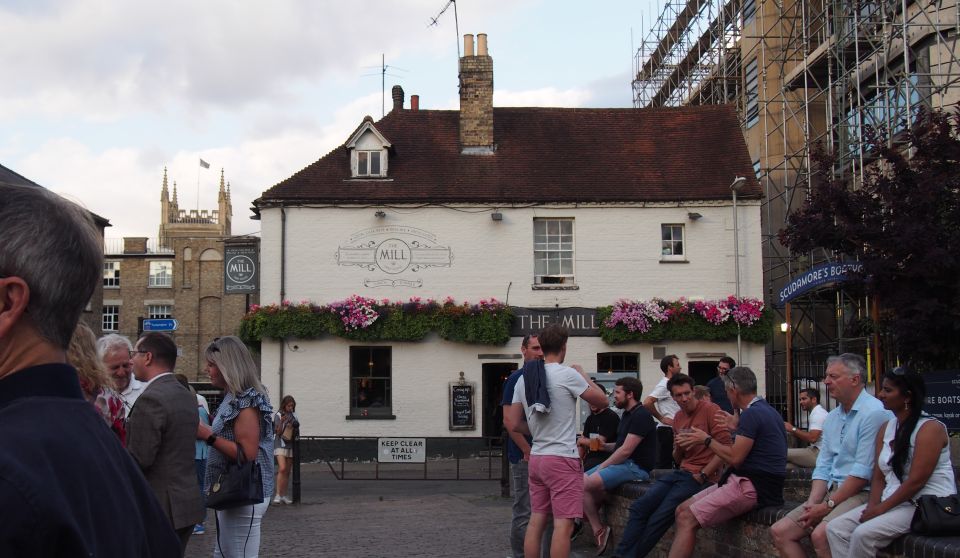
pixel 401 450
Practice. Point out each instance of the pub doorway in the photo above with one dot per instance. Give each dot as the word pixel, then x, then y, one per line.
pixel 494 376
pixel 702 371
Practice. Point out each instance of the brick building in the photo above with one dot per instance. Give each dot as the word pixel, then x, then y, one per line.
pixel 179 275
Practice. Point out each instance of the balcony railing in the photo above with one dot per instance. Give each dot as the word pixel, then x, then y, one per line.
pixel 115 247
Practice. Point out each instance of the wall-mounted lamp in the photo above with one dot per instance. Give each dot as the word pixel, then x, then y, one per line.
pixel 380 214
pixel 693 216
pixel 784 327
pixel 496 216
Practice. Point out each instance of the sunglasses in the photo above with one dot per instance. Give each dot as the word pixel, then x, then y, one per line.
pixel 214 348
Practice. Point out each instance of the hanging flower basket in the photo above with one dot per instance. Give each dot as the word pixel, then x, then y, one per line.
pixel 686 320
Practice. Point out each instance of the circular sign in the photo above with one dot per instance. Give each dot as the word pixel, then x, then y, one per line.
pixel 240 269
pixel 393 255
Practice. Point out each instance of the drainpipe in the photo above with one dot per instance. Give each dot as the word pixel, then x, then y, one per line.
pixel 283 284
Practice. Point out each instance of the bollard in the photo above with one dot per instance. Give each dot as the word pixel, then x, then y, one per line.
pixel 295 481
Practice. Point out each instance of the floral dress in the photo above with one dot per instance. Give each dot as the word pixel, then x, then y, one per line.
pixel 110 406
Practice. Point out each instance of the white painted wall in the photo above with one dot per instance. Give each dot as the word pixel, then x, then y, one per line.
pixel 617 255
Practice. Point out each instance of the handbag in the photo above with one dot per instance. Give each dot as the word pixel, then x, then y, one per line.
pixel 936 515
pixel 239 484
pixel 287 434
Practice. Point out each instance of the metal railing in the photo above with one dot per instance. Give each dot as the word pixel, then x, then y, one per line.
pixel 446 458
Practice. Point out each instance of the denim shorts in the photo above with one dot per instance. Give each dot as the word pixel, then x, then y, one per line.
pixel 615 475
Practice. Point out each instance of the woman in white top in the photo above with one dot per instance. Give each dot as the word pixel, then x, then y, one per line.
pixel 913 459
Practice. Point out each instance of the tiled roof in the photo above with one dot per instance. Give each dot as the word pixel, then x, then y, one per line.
pixel 543 155
pixel 11 177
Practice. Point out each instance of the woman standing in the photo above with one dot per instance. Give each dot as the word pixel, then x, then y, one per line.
pixel 285 424
pixel 913 459
pixel 96 383
pixel 242 423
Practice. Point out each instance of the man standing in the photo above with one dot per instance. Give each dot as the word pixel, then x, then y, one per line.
pixel 652 514
pixel 663 408
pixel 556 475
pixel 634 455
pixel 67 485
pixel 757 459
pixel 841 479
pixel 518 453
pixel 115 352
pixel 807 457
pixel 161 433
pixel 718 393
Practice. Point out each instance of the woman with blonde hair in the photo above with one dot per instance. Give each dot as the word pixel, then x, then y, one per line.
pixel 96 384
pixel 243 422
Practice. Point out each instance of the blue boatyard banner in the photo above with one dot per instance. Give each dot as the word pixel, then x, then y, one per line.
pixel 943 397
pixel 818 276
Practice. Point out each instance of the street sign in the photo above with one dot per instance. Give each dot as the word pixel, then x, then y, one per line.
pixel 160 324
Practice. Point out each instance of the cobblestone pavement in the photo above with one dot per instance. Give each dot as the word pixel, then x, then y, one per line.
pixel 385 518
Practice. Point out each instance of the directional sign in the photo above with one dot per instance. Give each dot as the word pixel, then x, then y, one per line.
pixel 160 324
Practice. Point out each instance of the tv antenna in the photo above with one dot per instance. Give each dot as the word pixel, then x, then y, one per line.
pixel 383 67
pixel 434 21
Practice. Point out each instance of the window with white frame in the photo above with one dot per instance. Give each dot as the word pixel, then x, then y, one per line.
pixel 751 84
pixel 553 251
pixel 111 274
pixel 161 274
pixel 159 311
pixel 368 163
pixel 111 318
pixel 671 247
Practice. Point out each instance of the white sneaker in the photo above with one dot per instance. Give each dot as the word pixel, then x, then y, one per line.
pixel 277 499
pixel 286 500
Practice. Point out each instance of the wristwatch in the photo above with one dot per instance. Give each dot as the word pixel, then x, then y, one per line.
pixel 703 476
pixel 794 430
pixel 831 504
pixel 211 439
pixel 706 441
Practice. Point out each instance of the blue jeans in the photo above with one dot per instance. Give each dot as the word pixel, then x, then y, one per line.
pixel 519 486
pixel 652 514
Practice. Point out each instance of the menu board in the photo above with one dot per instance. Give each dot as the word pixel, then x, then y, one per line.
pixel 461 406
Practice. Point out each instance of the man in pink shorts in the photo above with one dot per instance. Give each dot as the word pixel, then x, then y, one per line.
pixel 757 459
pixel 547 394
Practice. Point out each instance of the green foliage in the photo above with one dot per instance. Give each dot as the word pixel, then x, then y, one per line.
pixel 687 327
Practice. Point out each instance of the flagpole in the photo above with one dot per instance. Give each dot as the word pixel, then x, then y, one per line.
pixel 198 188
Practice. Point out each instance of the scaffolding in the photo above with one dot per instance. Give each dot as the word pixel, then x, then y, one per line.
pixel 803 74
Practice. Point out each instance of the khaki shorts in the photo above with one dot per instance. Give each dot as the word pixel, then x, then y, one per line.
pixel 843 507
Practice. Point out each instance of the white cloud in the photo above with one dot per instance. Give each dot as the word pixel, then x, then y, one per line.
pixel 543 97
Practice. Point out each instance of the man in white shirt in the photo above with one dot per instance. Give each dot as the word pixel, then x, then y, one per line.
pixel 555 471
pixel 807 457
pixel 663 408
pixel 115 352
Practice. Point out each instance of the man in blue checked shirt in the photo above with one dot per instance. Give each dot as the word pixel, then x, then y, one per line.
pixel 841 479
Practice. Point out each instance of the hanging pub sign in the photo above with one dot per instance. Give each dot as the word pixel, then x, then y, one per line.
pixel 240 274
pixel 818 276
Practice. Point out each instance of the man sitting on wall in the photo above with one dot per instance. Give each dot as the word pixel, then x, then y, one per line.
pixel 807 457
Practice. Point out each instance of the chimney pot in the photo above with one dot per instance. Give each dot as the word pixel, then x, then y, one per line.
pixel 414 102
pixel 468 45
pixel 481 44
pixel 397 94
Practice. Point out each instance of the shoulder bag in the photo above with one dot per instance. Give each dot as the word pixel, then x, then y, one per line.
pixel 936 515
pixel 239 484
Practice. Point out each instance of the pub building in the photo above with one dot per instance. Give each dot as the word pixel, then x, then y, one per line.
pixel 553 212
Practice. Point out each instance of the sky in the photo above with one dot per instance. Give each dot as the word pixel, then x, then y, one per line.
pixel 100 96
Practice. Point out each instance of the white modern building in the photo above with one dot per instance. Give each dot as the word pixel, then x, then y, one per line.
pixel 553 211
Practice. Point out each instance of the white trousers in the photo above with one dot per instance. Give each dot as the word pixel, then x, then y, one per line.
pixel 850 538
pixel 238 531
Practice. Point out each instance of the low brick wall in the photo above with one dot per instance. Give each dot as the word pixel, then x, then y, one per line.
pixel 749 536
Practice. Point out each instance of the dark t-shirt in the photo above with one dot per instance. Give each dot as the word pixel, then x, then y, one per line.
pixel 766 463
pixel 604 423
pixel 718 394
pixel 639 421
pixel 514 455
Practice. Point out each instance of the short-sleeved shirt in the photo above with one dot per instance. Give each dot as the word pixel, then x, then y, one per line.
pixel 604 423
pixel 554 433
pixel 848 443
pixel 666 406
pixel 514 455
pixel 696 457
pixel 639 421
pixel 763 424
pixel 818 416
pixel 222 426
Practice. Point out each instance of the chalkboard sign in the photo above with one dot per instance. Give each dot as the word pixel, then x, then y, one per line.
pixel 461 406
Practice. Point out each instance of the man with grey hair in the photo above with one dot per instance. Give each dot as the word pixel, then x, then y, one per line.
pixel 841 479
pixel 61 457
pixel 115 353
pixel 757 460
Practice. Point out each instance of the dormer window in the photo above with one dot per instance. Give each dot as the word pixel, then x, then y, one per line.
pixel 368 163
pixel 368 151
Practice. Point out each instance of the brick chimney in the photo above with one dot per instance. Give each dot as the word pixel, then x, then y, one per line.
pixel 397 94
pixel 476 98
